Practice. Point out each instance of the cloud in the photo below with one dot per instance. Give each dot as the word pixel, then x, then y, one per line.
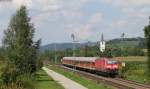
pixel 65 13
pixel 53 9
pixel 18 3
pixel 96 18
pixel 44 18
pixel 83 31
pixel 84 18
pixel 47 5
pixel 139 14
pixel 72 13
pixel 119 24
pixel 129 3
pixel 39 19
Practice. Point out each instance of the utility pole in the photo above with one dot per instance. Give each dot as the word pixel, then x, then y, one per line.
pixel 122 39
pixel 122 54
pixel 73 38
pixel 86 48
pixel 55 54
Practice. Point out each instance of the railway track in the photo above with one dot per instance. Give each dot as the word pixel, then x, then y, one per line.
pixel 116 82
pixel 133 82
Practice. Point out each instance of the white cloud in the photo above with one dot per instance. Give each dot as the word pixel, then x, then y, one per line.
pixel 39 19
pixel 72 13
pixel 85 30
pixel 140 13
pixel 74 16
pixel 96 18
pixel 65 11
pixel 44 18
pixel 118 24
pixel 81 32
pixel 18 3
pixel 69 10
pixel 47 5
pixel 128 3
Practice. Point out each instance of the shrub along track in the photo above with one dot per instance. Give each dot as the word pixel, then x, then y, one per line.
pixel 116 82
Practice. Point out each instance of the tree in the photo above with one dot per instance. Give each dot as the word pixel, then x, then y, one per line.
pixel 107 53
pixel 18 41
pixel 147 37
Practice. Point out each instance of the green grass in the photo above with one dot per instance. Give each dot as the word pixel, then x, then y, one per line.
pixel 46 82
pixel 137 75
pixel 43 81
pixel 135 67
pixel 137 78
pixel 136 70
pixel 90 84
pixel 132 58
pixel 0 70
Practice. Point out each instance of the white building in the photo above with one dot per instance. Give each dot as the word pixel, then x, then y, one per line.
pixel 102 44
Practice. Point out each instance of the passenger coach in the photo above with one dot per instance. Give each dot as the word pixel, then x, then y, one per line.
pixel 106 65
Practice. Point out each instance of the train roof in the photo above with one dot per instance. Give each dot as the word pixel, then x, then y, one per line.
pixel 88 59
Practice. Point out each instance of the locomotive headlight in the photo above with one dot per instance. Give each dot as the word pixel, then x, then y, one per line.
pixel 115 66
pixel 108 66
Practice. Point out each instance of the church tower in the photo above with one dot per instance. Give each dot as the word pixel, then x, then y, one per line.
pixel 102 43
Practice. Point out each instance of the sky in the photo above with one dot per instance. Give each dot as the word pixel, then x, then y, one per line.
pixel 56 20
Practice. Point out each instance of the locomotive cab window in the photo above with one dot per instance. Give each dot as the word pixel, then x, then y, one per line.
pixel 111 62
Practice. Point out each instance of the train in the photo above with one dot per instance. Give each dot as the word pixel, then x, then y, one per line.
pixel 98 65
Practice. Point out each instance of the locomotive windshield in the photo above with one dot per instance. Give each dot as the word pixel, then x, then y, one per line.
pixel 111 62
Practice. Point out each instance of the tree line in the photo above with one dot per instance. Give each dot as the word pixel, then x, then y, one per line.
pixel 93 51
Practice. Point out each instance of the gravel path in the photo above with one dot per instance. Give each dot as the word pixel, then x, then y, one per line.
pixel 67 83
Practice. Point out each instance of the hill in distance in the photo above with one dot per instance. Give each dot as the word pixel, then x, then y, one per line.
pixel 126 42
pixel 64 46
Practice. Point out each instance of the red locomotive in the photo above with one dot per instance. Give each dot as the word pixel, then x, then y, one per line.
pixel 105 65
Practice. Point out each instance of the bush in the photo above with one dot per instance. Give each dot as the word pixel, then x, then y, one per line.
pixel 39 63
pixel 9 74
pixel 25 81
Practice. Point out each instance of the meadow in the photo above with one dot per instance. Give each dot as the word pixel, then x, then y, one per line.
pixel 132 58
pixel 135 68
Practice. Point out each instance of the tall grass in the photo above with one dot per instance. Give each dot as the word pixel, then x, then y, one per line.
pixel 25 81
pixel 136 70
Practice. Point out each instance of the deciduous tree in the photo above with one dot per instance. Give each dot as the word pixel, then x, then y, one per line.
pixel 147 37
pixel 18 41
